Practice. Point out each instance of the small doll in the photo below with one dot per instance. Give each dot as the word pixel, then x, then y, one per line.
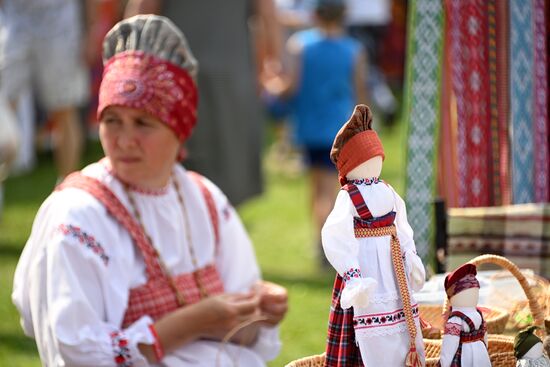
pixel 546 341
pixel 368 240
pixel 528 349
pixel 465 337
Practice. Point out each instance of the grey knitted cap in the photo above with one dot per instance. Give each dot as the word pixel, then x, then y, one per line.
pixel 152 34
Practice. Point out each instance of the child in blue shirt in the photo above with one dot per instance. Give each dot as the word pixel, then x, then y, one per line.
pixel 325 81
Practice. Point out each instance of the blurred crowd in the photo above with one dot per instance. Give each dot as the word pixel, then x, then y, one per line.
pixel 51 67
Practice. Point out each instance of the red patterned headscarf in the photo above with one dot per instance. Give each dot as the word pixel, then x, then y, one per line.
pixel 140 80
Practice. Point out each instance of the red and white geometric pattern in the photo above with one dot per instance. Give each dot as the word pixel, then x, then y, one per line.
pixel 85 239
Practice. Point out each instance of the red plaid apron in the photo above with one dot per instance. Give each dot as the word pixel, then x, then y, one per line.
pixel 342 350
pixel 156 297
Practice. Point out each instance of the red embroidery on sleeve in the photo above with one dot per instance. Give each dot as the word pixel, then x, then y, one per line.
pixel 452 329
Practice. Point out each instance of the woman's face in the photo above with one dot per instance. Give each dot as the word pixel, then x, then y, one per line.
pixel 142 149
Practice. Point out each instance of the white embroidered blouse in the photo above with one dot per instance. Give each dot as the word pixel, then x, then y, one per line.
pixel 72 281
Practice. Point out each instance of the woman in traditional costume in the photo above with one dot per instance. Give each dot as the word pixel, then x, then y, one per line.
pixel 369 242
pixel 135 261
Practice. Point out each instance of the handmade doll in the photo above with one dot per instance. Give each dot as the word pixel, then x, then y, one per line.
pixel 369 242
pixel 546 341
pixel 528 349
pixel 465 336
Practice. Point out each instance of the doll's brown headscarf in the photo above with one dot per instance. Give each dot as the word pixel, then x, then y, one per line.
pixel 355 143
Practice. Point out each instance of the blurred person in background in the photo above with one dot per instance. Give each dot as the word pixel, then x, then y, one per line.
pixel 104 15
pixel 325 81
pixel 135 261
pixel 43 49
pixel 369 21
pixel 227 145
pixel 9 143
pixel 283 156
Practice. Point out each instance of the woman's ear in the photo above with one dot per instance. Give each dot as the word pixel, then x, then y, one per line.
pixel 182 154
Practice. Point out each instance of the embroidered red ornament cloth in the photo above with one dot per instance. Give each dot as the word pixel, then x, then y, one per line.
pixel 139 80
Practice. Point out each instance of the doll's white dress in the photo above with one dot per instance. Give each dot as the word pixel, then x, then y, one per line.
pixel 539 362
pixel 380 327
pixel 474 354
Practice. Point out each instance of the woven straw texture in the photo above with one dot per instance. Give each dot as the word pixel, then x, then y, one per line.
pixel 501 347
pixel 532 297
pixel 495 317
pixel 501 352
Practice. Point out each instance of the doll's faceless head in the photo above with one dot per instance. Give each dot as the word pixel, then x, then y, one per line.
pixel 462 286
pixel 467 298
pixel 367 169
pixel 535 352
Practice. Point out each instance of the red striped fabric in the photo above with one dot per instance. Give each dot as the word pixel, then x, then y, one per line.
pixel 358 201
pixel 493 102
pixel 341 350
pixel 448 163
pixel 476 92
pixel 503 97
pixel 455 9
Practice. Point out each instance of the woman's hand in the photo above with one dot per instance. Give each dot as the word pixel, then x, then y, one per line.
pixel 273 302
pixel 216 316
pixel 221 314
pixel 211 318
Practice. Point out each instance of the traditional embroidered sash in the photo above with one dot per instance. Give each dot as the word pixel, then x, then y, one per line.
pixel 156 297
pixel 467 337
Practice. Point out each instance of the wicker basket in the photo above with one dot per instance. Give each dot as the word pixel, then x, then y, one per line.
pixel 534 305
pixel 495 317
pixel 520 313
pixel 501 351
pixel 311 361
pixel 501 347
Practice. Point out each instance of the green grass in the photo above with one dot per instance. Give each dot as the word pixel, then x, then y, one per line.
pixel 278 223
